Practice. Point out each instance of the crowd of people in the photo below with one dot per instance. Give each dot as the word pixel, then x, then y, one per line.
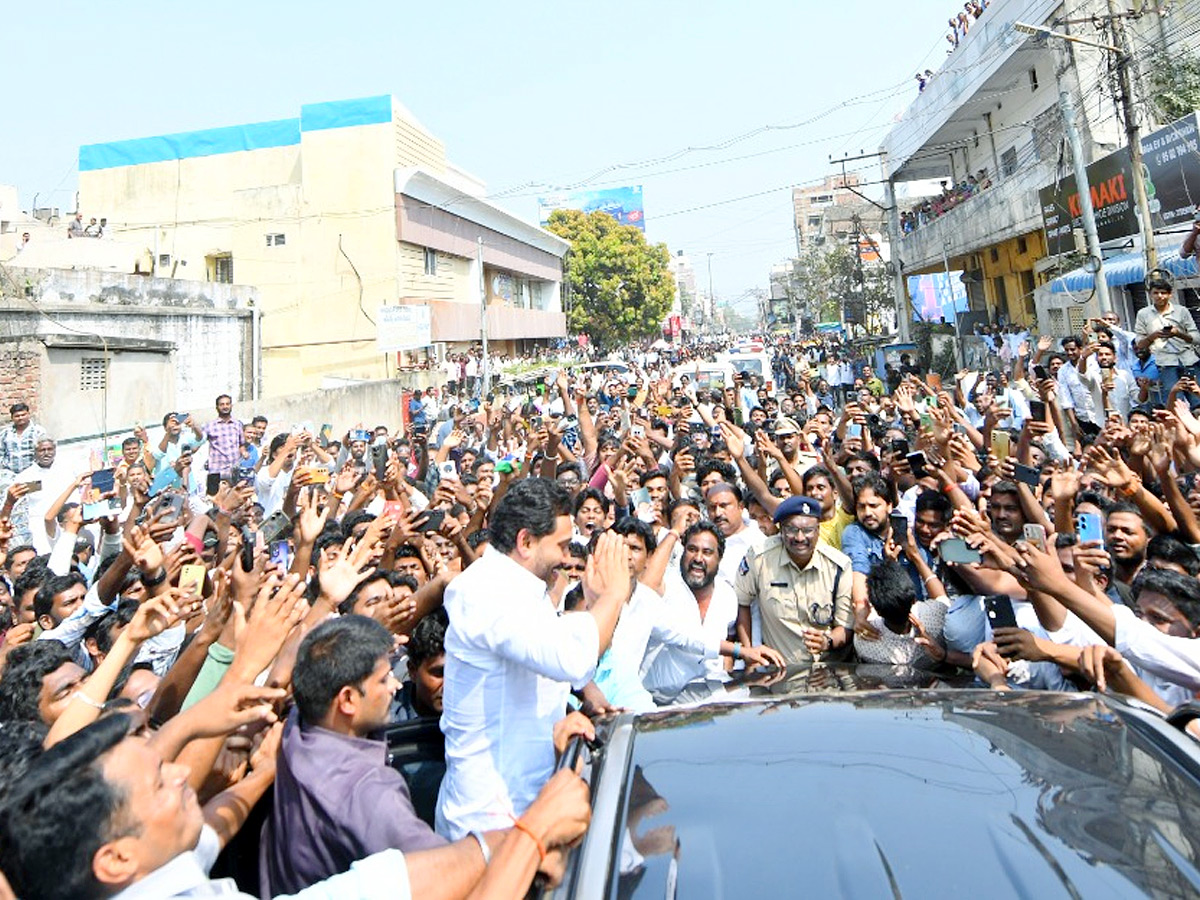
pixel 233 606
pixel 961 22
pixel 951 196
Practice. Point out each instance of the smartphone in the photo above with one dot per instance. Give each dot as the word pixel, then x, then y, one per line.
pixel 275 527
pixel 360 434
pixel 248 547
pixel 1026 474
pixel 1001 442
pixel 170 506
pixel 1089 527
pixel 432 520
pixel 212 483
pixel 32 487
pixel 899 527
pixel 639 431
pixel 103 480
pixel 281 554
pixel 535 422
pixel 853 430
pixel 569 422
pixel 1037 410
pixel 1040 373
pixel 379 458
pixel 191 579
pixel 955 550
pixel 900 447
pixel 1036 535
pixel 916 462
pixel 739 418
pixel 101 509
pixel 448 470
pixel 325 435
pixel 316 474
pixel 241 474
pixel 394 508
pixel 1000 611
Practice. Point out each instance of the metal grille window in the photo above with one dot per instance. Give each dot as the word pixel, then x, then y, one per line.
pixel 430 261
pixel 276 240
pixel 93 373
pixel 223 269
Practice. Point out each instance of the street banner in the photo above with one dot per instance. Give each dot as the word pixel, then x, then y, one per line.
pixel 622 203
pixel 1110 180
pixel 1172 163
pixel 403 328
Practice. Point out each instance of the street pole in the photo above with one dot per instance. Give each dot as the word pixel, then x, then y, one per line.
pixel 712 298
pixel 1133 135
pixel 960 353
pixel 899 289
pixel 1086 210
pixel 484 375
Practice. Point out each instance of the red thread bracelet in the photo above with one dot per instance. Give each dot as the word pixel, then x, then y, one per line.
pixel 524 829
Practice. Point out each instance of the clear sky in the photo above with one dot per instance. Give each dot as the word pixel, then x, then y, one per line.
pixel 528 96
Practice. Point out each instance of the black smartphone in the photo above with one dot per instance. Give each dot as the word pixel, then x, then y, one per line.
pixel 1026 474
pixel 916 462
pixel 274 527
pixel 899 527
pixel 432 520
pixel 1040 373
pixel 379 456
pixel 103 480
pixel 247 549
pixel 1000 611
pixel 900 447
pixel 169 506
pixel 212 484
pixel 955 550
pixel 241 474
pixel 1037 410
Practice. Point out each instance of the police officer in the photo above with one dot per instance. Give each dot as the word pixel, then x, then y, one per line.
pixel 801 587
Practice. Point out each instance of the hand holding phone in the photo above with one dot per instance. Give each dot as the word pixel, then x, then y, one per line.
pixel 1000 611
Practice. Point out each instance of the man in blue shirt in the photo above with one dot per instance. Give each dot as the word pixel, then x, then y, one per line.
pixel 862 541
pixel 1145 372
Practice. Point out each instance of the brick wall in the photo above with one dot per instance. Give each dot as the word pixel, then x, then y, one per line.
pixel 20 376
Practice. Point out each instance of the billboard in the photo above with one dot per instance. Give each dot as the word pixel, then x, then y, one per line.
pixel 937 296
pixel 1172 159
pixel 403 328
pixel 623 203
pixel 1171 162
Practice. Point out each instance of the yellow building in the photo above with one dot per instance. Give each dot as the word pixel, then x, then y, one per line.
pixel 334 215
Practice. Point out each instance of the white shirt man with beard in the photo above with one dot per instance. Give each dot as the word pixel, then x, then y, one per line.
pixel 511 659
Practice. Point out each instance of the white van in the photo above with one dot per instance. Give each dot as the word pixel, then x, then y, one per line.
pixel 752 362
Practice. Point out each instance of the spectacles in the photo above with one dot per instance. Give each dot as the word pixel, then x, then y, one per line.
pixel 793 531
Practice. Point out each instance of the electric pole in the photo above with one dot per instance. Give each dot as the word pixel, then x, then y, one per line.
pixel 1086 210
pixel 1133 134
pixel 898 286
pixel 712 300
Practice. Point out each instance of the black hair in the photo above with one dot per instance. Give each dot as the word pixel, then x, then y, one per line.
pixel 1006 487
pixel 533 505
pixel 891 591
pixel 329 537
pixel 708 527
pixel 863 456
pixel 709 465
pixel 24 671
pixel 651 474
pixel 590 493
pixel 1183 591
pixel 428 638
pixel 353 519
pixel 22 548
pixel 1124 506
pixel 1095 498
pixel 683 501
pixel 872 481
pixel 333 655
pixel 55 820
pixel 20 406
pixel 1171 549
pixel 43 603
pixel 573 598
pixel 101 630
pixel 478 537
pixel 727 487
pixel 935 501
pixel 818 472
pixel 29 580
pixel 632 525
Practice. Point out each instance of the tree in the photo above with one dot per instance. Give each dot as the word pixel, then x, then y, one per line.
pixel 1174 84
pixel 621 287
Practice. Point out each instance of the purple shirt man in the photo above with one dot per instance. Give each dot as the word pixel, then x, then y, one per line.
pixel 225 438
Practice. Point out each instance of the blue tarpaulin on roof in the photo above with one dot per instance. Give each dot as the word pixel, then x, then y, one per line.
pixel 1125 268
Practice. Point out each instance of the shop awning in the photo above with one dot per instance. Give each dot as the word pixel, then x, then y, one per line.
pixel 1128 268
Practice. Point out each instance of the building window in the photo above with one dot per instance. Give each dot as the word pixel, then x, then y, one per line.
pixel 1008 162
pixel 93 373
pixel 430 261
pixel 1022 246
pixel 1033 82
pixel 276 240
pixel 814 221
pixel 220 268
pixel 995 255
pixel 164 259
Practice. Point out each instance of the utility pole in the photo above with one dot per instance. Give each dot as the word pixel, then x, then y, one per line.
pixel 899 289
pixel 484 375
pixel 1086 210
pixel 1133 134
pixel 712 299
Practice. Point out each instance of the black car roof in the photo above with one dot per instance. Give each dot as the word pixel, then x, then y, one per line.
pixel 907 793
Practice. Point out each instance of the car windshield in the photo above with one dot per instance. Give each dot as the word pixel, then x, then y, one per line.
pixel 747 365
pixel 1048 795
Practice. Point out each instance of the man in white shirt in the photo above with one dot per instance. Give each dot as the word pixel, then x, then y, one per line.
pixel 1169 330
pixel 726 510
pixel 511 659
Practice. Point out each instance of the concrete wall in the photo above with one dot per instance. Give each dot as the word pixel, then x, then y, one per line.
pixel 210 325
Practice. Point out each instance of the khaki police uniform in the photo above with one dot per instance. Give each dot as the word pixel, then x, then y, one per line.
pixel 788 596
